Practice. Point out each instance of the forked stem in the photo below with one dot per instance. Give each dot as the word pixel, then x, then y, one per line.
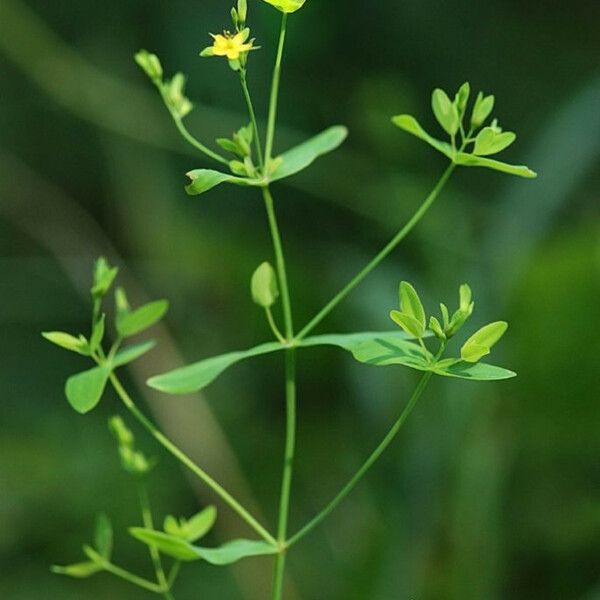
pixel 387 440
pixel 188 462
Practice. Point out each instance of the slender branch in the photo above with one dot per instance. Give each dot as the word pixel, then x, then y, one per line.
pixel 154 553
pixel 385 252
pixel 275 92
pixel 188 462
pixel 280 263
pixel 195 143
pixel 252 114
pixel 387 440
pixel 131 578
pixel 273 326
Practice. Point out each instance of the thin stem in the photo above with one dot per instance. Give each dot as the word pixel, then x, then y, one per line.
pixel 385 252
pixel 275 92
pixel 288 465
pixel 253 120
pixel 387 440
pixel 273 326
pixel 195 143
pixel 154 553
pixel 188 462
pixel 280 263
pixel 135 579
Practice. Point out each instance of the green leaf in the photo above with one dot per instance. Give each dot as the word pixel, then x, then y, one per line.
pixel 484 105
pixel 474 371
pixel 203 180
pixel 68 341
pixel 79 570
pixel 412 126
pixel 197 376
pixel 97 333
pixel 104 275
pixel 131 353
pixel 436 327
pixel 297 159
pixel 286 6
pixel 264 286
pixel 234 551
pixel 150 64
pixel 480 343
pixel 382 351
pixel 166 544
pixel 408 323
pixel 199 525
pixel 85 390
pixel 489 141
pixel 130 323
pixel 445 111
pixel 469 160
pixel 411 304
pixel 122 433
pixel 462 98
pixel 103 537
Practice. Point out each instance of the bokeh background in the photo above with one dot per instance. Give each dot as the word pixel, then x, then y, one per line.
pixel 492 492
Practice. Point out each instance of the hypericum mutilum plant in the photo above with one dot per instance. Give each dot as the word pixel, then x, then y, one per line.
pixel 420 343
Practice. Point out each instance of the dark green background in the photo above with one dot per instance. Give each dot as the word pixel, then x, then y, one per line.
pixel 492 491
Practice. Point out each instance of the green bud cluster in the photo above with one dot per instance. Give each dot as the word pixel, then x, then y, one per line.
pixel 132 460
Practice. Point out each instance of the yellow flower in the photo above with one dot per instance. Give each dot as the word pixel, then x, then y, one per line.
pixel 231 46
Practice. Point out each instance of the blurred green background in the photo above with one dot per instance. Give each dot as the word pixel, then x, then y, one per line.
pixel 491 492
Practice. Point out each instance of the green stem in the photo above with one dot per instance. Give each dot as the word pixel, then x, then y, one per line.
pixel 385 252
pixel 387 440
pixel 274 327
pixel 188 462
pixel 154 553
pixel 280 263
pixel 131 578
pixel 195 143
pixel 253 120
pixel 275 92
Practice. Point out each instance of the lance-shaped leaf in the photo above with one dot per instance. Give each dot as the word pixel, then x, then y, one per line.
pixel 473 371
pixel 68 341
pixel 409 124
pixel 197 376
pixel 192 529
pixel 469 160
pixel 410 303
pixel 85 390
pixel 131 353
pixel 445 111
pixel 131 322
pixel 297 159
pixel 181 550
pixel 203 180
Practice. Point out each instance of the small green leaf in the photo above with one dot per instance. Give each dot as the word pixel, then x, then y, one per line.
pixel 121 432
pixel 473 371
pixel 173 527
pixel 68 341
pixel 167 544
pixel 264 286
pixel 299 158
pixel 490 142
pixel 104 275
pixel 469 160
pixel 408 323
pixel 121 302
pixel 150 64
pixel 242 10
pixel 480 343
pixel 131 323
pixel 482 110
pixel 412 126
pixel 199 525
pixel 103 537
pixel 445 111
pixel 131 353
pixel 85 390
pixel 437 328
pixel 79 570
pixel 234 551
pixel 410 303
pixel 97 333
pixel 462 98
pixel 203 180
pixel 465 296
